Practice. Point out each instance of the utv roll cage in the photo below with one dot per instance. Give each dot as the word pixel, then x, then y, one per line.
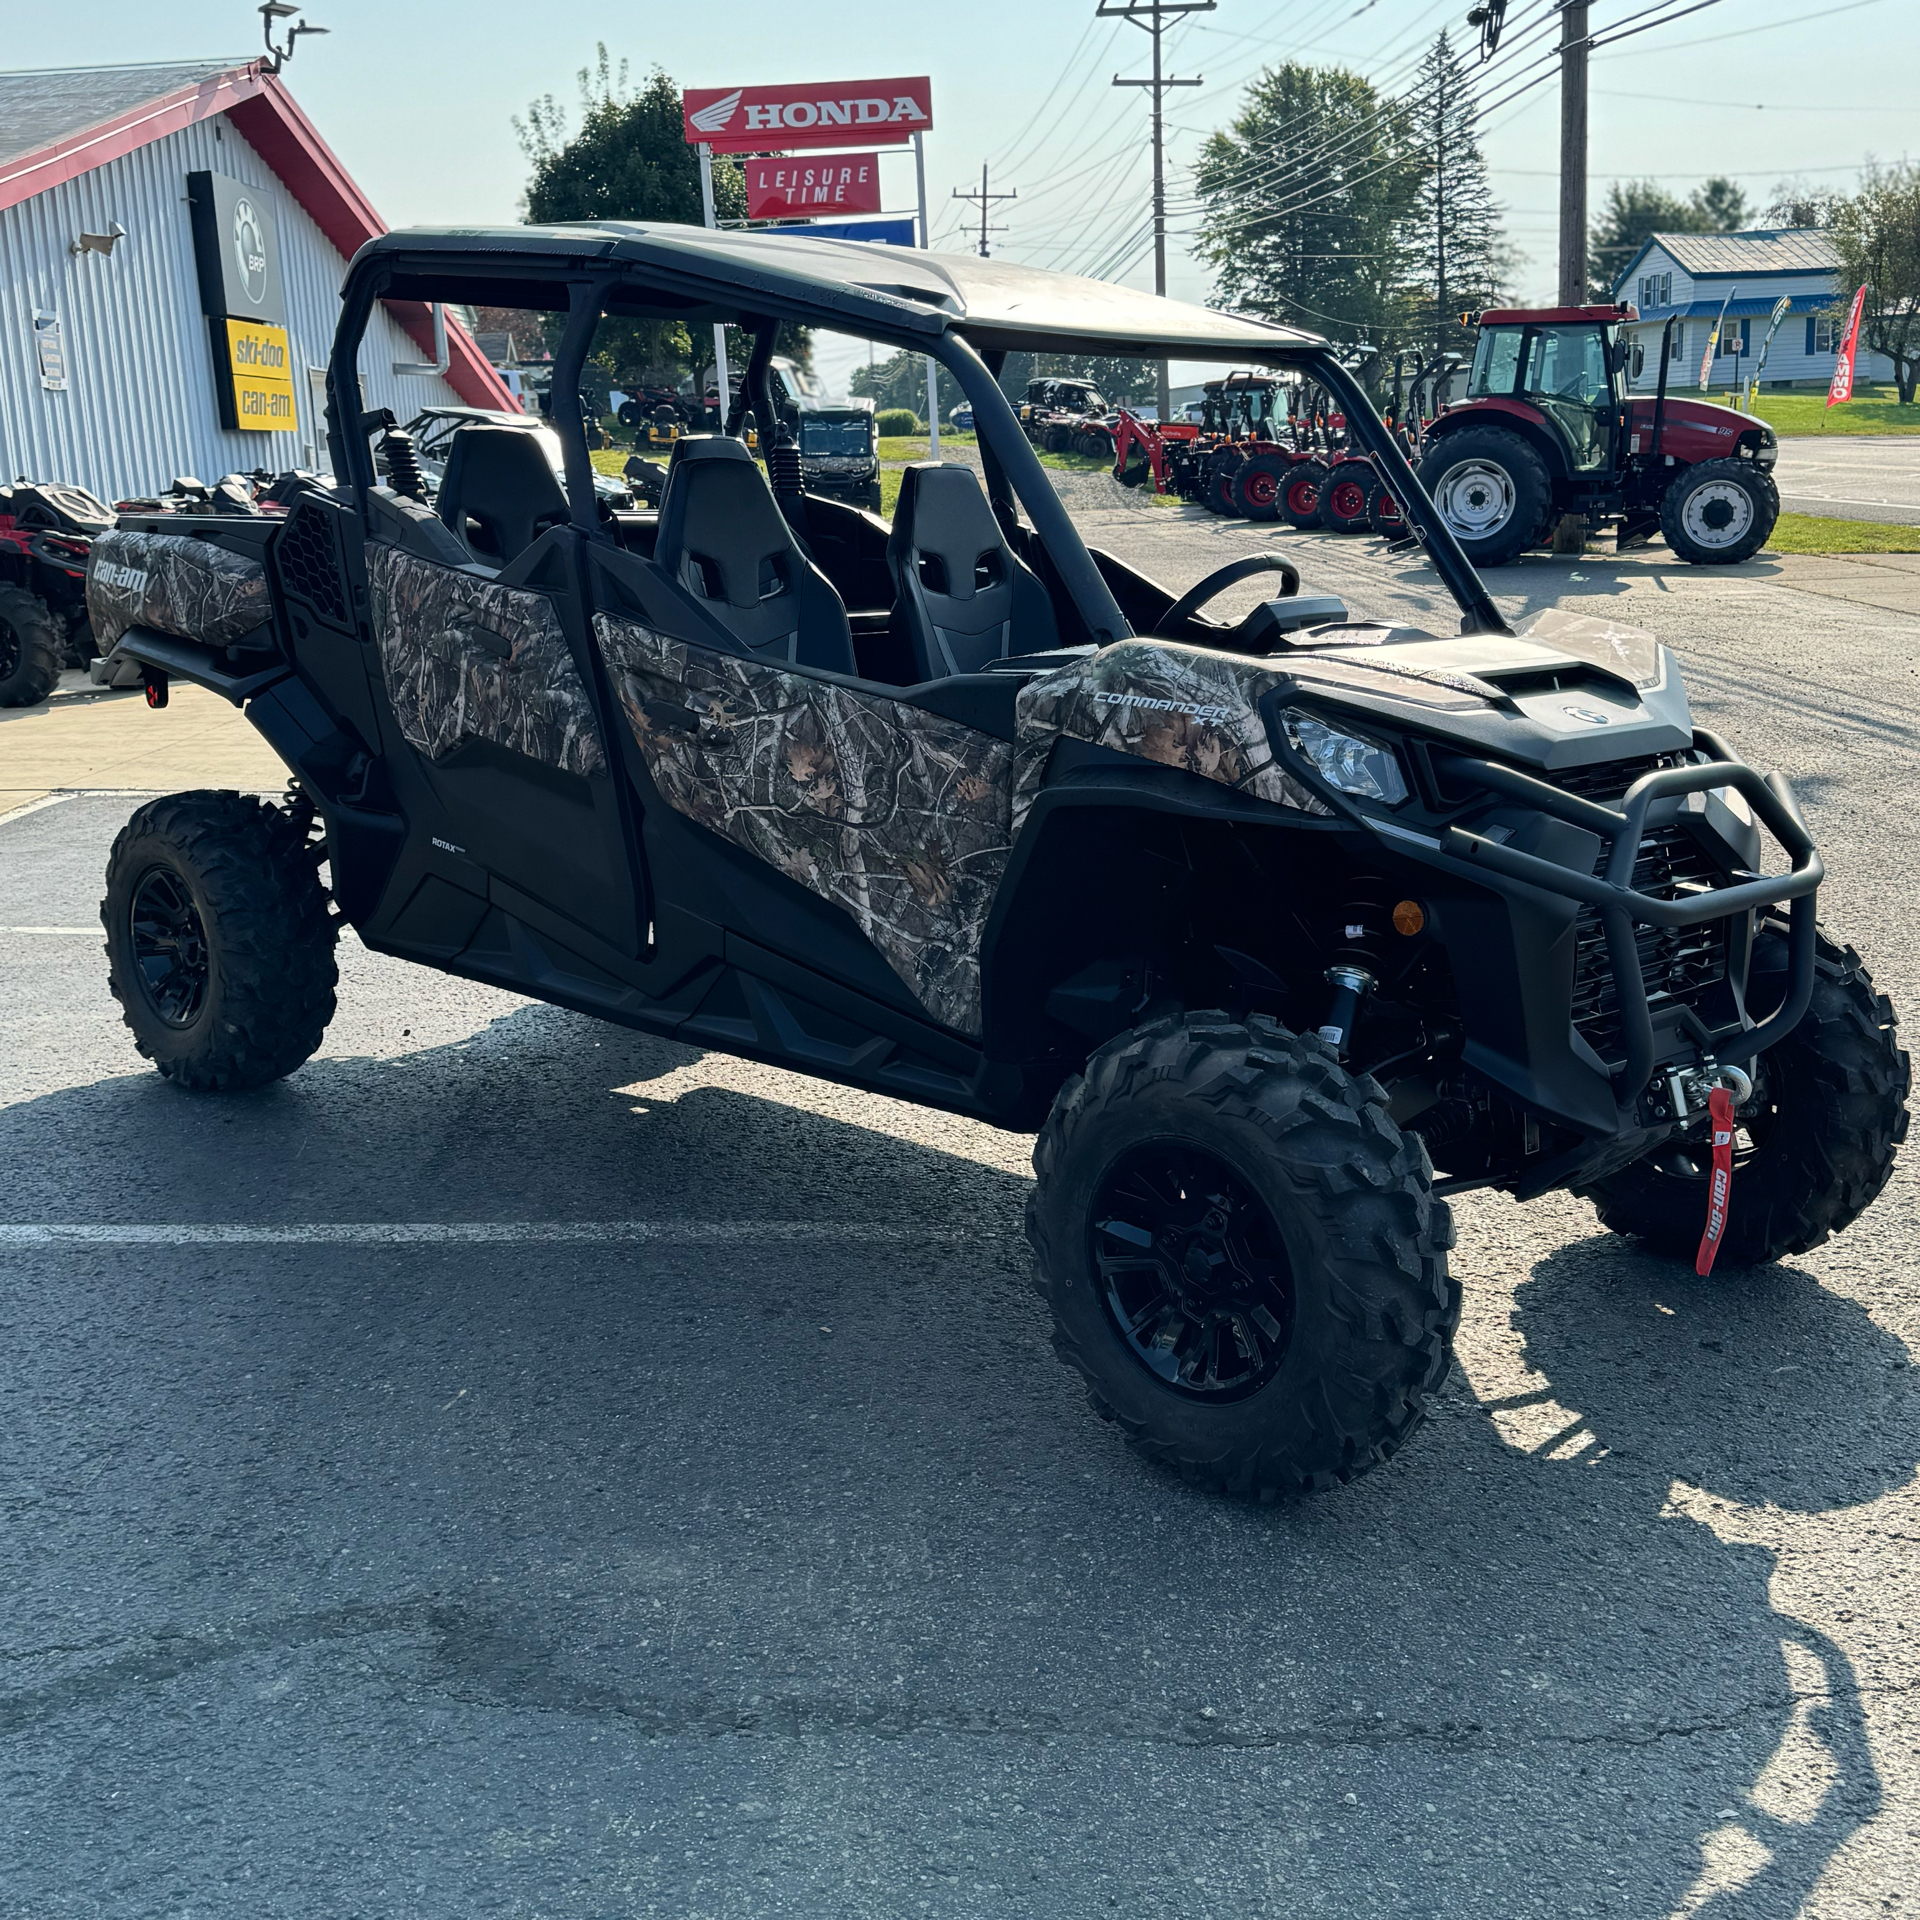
pixel 966 315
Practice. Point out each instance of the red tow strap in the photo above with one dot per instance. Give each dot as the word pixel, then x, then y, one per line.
pixel 1720 1118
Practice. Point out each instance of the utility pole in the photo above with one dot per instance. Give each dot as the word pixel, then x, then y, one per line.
pixel 1573 153
pixel 1151 17
pixel 985 199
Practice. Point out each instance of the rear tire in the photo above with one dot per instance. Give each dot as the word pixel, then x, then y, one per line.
pixel 1829 1110
pixel 1719 512
pixel 1257 482
pixel 33 643
pixel 1343 501
pixel 1222 466
pixel 1492 489
pixel 219 940
pixel 1269 1312
pixel 1383 513
pixel 1302 493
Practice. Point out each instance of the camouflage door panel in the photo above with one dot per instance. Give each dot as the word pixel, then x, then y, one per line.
pixel 1179 705
pixel 898 815
pixel 174 584
pixel 467 659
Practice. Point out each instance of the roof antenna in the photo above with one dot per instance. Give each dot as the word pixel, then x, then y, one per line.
pixel 272 12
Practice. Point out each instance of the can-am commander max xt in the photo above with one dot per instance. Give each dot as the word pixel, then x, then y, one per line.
pixel 1257 921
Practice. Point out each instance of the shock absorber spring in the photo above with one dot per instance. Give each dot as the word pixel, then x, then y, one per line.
pixel 1361 929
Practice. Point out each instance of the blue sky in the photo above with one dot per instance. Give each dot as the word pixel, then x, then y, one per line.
pixel 417 98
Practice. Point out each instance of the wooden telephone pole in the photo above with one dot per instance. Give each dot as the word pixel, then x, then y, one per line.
pixel 1573 153
pixel 985 200
pixel 1151 17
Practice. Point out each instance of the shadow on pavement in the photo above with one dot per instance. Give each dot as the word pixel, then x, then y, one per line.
pixel 799 1578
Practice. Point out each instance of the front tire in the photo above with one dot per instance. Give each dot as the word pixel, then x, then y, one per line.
pixel 1814 1146
pixel 1719 512
pixel 219 940
pixel 1492 489
pixel 1242 1254
pixel 1302 493
pixel 1343 502
pixel 1256 485
pixel 1384 517
pixel 33 643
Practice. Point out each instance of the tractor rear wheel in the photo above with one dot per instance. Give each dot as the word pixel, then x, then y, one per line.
pixel 1343 503
pixel 32 645
pixel 1492 489
pixel 1383 512
pixel 1719 512
pixel 1257 483
pixel 1222 465
pixel 1303 492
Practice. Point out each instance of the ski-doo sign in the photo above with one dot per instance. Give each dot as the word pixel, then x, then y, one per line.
pixel 780 119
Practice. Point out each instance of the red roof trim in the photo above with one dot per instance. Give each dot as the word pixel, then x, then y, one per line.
pixel 126 132
pixel 265 114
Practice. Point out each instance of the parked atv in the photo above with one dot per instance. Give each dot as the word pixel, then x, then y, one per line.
pixel 1547 430
pixel 1277 929
pixel 46 533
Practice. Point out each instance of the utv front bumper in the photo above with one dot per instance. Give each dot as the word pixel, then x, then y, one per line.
pixel 1600 945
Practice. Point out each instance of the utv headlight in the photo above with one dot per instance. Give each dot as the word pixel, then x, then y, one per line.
pixel 1346 761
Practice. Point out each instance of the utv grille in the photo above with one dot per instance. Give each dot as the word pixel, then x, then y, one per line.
pixel 309 565
pixel 1678 963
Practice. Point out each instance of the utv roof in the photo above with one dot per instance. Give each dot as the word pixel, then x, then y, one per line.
pixel 695 273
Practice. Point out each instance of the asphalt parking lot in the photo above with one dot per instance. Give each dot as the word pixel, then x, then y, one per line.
pixel 1851 476
pixel 520 1467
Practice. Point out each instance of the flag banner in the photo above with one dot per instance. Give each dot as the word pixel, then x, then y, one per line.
pixel 1842 388
pixel 835 114
pixel 1713 343
pixel 834 183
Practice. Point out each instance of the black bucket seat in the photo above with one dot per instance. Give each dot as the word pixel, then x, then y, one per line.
pixel 498 493
pixel 725 540
pixel 962 595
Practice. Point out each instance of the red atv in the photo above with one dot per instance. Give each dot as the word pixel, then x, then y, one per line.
pixel 46 533
pixel 1547 430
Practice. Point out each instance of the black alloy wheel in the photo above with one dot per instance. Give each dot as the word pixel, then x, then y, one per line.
pixel 169 946
pixel 1193 1271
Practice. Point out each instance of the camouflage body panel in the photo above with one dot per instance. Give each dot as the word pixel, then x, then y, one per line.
pixel 1157 700
pixel 467 659
pixel 899 815
pixel 174 584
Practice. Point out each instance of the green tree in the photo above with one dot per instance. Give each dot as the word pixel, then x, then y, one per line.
pixel 1304 196
pixel 629 161
pixel 1451 238
pixel 1876 233
pixel 1636 210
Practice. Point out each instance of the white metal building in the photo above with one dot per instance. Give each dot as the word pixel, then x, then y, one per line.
pixel 110 367
pixel 1691 274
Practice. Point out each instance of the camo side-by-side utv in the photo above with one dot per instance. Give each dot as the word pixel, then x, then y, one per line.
pixel 1258 922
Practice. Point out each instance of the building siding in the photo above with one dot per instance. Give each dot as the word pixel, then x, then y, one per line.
pixel 139 407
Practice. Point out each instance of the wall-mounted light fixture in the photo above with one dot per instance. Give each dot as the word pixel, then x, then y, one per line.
pixel 98 242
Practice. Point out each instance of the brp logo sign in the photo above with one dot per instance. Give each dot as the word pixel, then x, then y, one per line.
pixel 250 251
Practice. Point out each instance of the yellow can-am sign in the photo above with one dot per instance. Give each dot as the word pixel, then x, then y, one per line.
pixel 258 366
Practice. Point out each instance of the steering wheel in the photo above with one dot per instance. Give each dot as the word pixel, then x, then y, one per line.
pixel 1219 580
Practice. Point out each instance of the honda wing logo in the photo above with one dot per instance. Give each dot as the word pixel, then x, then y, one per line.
pixel 713 119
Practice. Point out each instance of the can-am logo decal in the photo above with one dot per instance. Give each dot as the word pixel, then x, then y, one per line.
pixel 1592 717
pixel 128 579
pixel 778 119
pixel 1192 709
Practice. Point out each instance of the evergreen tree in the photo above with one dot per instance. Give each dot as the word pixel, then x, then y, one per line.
pixel 1304 195
pixel 1451 237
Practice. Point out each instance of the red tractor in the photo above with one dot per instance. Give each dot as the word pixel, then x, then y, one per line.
pixel 1548 430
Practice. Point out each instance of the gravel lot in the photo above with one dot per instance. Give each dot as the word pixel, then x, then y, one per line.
pixel 758 1558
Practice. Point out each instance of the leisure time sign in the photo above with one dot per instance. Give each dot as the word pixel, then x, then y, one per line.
pixel 781 119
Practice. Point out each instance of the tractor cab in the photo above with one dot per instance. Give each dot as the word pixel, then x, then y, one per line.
pixel 1562 362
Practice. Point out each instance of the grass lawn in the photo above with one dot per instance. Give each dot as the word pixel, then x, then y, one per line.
pixel 1810 533
pixel 1872 410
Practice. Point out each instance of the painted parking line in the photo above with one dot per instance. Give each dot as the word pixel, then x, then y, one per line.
pixel 465 1233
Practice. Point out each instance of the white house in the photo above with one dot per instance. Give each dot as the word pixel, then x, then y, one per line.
pixel 172 242
pixel 1685 277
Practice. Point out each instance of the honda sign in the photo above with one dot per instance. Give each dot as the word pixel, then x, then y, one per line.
pixel 776 119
